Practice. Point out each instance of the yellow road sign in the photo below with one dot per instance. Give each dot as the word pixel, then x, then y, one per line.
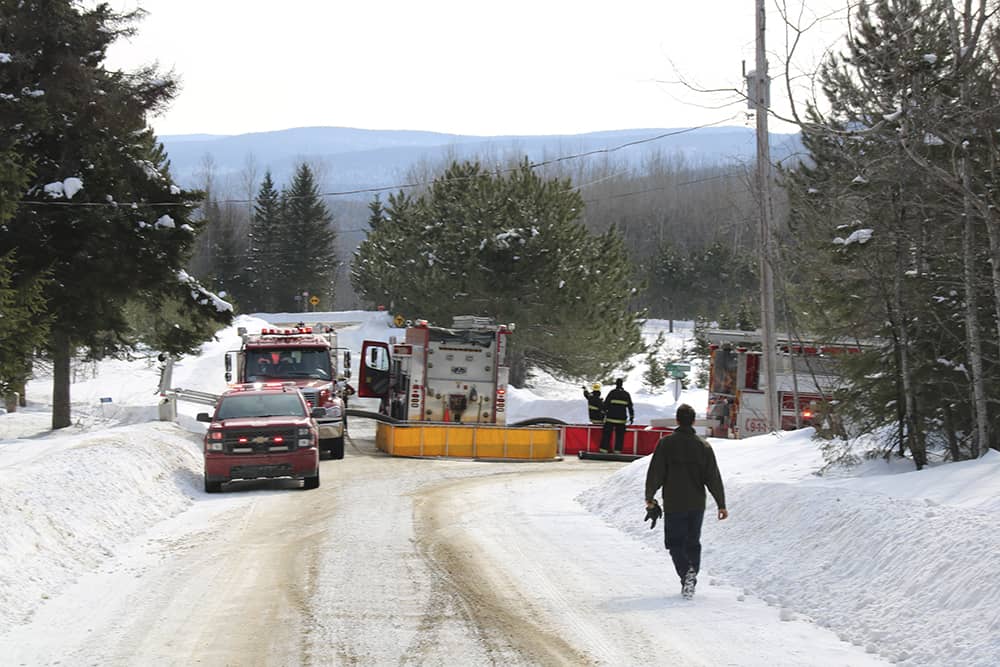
pixel 314 300
pixel 399 321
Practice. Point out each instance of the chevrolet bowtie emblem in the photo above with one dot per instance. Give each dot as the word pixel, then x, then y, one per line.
pixel 259 440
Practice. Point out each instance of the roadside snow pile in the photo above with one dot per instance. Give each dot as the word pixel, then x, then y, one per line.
pixel 857 555
pixel 68 501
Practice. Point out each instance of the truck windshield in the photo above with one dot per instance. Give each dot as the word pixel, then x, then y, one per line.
pixel 260 405
pixel 298 362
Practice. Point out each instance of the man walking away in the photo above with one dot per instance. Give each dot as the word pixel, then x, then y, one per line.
pixel 618 411
pixel 595 404
pixel 683 466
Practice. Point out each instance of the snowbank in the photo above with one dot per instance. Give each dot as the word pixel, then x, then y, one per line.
pixel 901 563
pixel 67 504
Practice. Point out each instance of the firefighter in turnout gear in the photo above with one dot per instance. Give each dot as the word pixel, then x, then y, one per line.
pixel 618 412
pixel 595 404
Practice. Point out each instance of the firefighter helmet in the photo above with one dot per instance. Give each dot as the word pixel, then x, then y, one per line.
pixel 596 386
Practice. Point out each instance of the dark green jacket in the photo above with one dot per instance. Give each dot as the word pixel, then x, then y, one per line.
pixel 684 465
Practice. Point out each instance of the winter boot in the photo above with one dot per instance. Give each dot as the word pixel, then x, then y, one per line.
pixel 690 580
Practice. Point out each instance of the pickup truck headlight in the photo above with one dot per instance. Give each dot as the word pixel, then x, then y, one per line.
pixel 333 412
pixel 214 446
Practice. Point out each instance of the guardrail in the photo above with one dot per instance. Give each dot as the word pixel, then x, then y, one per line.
pixel 192 396
pixel 168 406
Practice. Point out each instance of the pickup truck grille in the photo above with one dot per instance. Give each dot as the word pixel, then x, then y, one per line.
pixel 260 441
pixel 311 395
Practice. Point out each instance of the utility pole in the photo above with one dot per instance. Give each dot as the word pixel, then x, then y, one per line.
pixel 761 97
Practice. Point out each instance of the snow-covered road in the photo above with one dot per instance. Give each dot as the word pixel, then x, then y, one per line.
pixel 402 561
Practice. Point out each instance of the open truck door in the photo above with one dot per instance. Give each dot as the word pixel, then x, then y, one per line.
pixel 374 380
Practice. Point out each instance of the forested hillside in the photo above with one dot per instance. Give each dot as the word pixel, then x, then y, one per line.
pixel 679 198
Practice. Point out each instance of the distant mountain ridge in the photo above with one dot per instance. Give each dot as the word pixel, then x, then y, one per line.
pixel 352 158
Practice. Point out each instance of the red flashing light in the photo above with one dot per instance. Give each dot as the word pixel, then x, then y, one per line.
pixel 297 331
pixel 279 438
pixel 215 435
pixel 807 414
pixel 242 440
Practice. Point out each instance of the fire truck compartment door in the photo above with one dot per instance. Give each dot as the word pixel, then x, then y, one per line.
pixel 373 381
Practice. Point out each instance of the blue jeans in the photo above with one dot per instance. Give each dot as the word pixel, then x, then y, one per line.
pixel 682 537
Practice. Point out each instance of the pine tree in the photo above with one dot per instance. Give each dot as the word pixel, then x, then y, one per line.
pixel 894 239
pixel 655 375
pixel 227 250
pixel 265 247
pixel 308 244
pixel 123 229
pixel 23 320
pixel 507 246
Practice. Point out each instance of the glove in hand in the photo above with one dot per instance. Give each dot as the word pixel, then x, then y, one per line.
pixel 653 513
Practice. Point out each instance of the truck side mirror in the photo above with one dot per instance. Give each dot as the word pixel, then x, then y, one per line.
pixel 203 417
pixel 229 368
pixel 347 363
pixel 316 413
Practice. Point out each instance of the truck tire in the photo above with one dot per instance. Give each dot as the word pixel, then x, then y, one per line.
pixel 331 448
pixel 337 448
pixel 212 487
pixel 311 482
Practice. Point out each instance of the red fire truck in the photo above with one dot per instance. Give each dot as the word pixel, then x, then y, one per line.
pixel 805 373
pixel 309 358
pixel 438 374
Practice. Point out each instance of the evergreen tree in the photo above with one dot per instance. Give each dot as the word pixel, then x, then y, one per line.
pixel 655 375
pixel 671 282
pixel 308 244
pixel 265 247
pixel 23 321
pixel 122 229
pixel 891 238
pixel 709 281
pixel 507 246
pixel 226 250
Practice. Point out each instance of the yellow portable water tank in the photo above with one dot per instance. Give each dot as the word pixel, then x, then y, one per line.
pixel 470 441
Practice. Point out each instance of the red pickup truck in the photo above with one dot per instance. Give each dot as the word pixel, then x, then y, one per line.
pixel 261 430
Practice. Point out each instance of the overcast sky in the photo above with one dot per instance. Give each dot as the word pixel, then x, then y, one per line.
pixel 457 66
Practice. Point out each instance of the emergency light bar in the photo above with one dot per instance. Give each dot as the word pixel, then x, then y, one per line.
pixel 257 386
pixel 297 331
